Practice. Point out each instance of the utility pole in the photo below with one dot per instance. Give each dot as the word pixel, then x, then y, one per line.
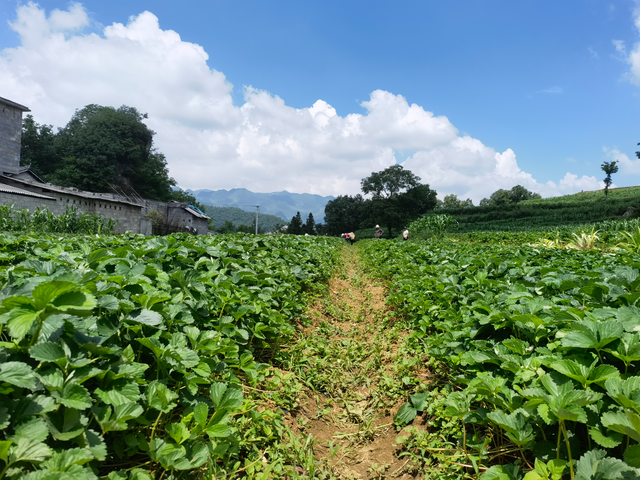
pixel 257 210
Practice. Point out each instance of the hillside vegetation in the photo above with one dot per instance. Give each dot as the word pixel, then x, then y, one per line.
pixel 238 217
pixel 580 208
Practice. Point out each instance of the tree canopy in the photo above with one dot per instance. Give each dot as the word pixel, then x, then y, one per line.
pixel 389 182
pixel 503 197
pixel 452 201
pixel 342 214
pixel 101 149
pixel 397 197
pixel 609 168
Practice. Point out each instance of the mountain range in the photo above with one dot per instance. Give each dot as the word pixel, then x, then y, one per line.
pixel 283 204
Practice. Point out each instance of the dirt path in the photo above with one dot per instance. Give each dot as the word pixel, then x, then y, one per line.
pixel 351 358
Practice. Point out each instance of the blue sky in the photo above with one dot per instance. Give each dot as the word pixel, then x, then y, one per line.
pixel 542 79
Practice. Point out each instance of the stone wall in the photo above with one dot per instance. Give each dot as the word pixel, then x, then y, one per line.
pixel 176 218
pixel 10 133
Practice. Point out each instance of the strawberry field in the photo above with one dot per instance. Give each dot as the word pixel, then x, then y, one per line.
pixel 539 352
pixel 131 357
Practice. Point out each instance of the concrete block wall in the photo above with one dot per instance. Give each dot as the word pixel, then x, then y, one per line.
pixel 129 217
pixel 10 133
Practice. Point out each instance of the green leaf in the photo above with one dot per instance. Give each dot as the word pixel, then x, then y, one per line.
pixel 34 429
pixel 178 432
pixel 30 451
pixel 594 465
pixel 20 321
pixel 65 459
pixel 405 414
pixel 627 424
pixel 122 391
pixel 109 303
pixel 160 397
pixel 145 317
pixel 608 441
pixel 502 472
pixel 515 425
pixel 201 413
pixel 232 399
pixel 47 352
pixel 4 449
pixel 75 302
pixel 95 444
pixel 557 468
pixel 75 396
pixel 632 456
pixel 216 393
pixel 218 431
pixel 18 374
pixel 66 423
pixel 419 400
pixel 46 292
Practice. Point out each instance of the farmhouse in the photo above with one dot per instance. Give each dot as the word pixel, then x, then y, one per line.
pixel 24 188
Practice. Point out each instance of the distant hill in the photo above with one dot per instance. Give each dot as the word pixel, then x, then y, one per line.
pixel 282 204
pixel 579 208
pixel 238 217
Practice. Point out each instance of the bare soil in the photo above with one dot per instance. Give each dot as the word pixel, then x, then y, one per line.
pixel 352 363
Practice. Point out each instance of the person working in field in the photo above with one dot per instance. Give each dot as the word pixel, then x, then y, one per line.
pixel 405 234
pixel 378 232
pixel 352 237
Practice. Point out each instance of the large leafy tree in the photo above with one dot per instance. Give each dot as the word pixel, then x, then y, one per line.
pixel 38 148
pixel 504 197
pixel 389 183
pixel 101 149
pixel 397 197
pixel 343 214
pixel 396 211
pixel 452 201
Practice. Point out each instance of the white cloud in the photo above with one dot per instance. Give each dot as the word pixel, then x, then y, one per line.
pixel 264 144
pixel 626 165
pixel 633 56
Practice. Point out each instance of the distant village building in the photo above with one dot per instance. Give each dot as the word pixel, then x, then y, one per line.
pixel 24 188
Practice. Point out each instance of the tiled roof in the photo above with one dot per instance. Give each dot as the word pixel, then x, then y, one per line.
pixel 19 191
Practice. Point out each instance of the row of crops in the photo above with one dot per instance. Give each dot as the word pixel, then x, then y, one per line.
pixel 542 347
pixel 126 357
pixel 581 208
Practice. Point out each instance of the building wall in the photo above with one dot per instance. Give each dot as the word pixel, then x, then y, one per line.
pixel 10 133
pixel 129 217
pixel 176 217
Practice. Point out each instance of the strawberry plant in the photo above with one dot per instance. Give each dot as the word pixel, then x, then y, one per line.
pixel 122 357
pixel 542 347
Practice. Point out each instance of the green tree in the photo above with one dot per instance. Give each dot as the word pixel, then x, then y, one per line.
pixel 504 197
pixel 295 225
pixel 500 198
pixel 343 214
pixel 609 168
pixel 389 182
pixel 519 193
pixel 310 225
pixel 38 147
pixel 452 201
pixel 397 197
pixel 104 148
